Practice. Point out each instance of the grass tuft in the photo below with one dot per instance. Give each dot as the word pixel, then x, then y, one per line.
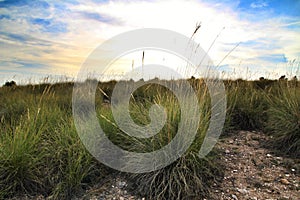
pixel 284 119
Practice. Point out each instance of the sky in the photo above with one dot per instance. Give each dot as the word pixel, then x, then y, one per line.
pixel 47 38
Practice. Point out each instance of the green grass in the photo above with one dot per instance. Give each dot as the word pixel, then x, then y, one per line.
pixel 40 150
pixel 246 106
pixel 187 178
pixel 284 119
pixel 41 153
pixel 21 160
pixel 271 106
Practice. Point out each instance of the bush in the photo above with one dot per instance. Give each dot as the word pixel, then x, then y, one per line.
pixel 284 119
pixel 187 178
pixel 40 151
pixel 247 106
pixel 10 84
pixel 21 163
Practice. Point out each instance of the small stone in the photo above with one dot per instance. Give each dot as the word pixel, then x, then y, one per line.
pixel 268 191
pixel 242 191
pixel 293 170
pixel 121 198
pixel 269 155
pixel 234 197
pixel 121 184
pixel 285 198
pixel 284 181
pixel 227 151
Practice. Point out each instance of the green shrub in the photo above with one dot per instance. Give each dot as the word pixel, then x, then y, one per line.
pixel 187 178
pixel 284 119
pixel 21 163
pixel 40 151
pixel 247 106
pixel 70 162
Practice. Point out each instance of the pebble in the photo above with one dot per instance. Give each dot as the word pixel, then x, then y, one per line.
pixel 227 151
pixel 234 197
pixel 284 181
pixel 268 191
pixel 242 191
pixel 121 184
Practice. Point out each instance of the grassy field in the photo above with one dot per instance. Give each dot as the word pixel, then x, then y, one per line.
pixel 41 153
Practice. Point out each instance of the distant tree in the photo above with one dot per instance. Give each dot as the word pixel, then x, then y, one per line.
pixel 282 77
pixel 10 84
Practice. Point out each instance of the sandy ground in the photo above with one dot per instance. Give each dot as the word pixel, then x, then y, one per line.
pixel 254 172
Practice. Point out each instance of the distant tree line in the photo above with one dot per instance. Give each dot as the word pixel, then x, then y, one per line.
pixel 10 84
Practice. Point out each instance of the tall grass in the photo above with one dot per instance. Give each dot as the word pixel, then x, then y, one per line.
pixel 246 105
pixel 39 148
pixel 284 118
pixel 70 163
pixel 41 153
pixel 189 176
pixel 21 164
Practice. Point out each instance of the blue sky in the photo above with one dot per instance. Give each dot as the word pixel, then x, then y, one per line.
pixel 47 37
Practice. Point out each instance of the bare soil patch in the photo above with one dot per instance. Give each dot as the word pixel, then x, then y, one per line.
pixel 254 172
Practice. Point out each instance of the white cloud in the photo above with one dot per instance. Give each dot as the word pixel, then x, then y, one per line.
pixel 259 4
pixel 68 50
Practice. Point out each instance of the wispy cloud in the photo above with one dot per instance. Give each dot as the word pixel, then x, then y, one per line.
pixel 55 37
pixel 103 18
pixel 259 4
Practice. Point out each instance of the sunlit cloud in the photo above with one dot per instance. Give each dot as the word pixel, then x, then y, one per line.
pixel 41 38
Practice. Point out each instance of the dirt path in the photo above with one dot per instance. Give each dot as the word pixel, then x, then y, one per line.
pixel 254 172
